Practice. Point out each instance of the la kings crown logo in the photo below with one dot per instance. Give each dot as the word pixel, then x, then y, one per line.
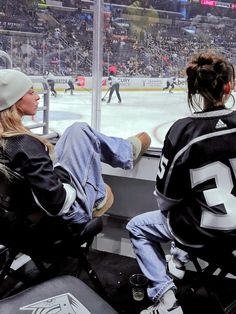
pixel 60 304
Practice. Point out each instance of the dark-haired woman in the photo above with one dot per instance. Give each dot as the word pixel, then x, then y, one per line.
pixel 195 184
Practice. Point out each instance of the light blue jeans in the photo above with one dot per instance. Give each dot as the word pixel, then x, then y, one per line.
pixel 80 150
pixel 147 232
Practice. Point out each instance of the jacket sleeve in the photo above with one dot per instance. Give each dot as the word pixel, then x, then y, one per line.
pixel 32 160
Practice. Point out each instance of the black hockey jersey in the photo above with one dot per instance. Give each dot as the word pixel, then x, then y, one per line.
pixel 196 180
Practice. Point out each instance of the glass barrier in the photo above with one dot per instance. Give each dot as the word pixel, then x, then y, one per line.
pixel 146 47
pixel 118 65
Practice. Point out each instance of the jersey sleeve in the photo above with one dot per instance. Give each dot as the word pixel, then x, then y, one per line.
pixel 169 189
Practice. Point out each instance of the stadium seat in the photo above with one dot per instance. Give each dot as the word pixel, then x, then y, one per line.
pixel 220 258
pixel 62 294
pixel 47 240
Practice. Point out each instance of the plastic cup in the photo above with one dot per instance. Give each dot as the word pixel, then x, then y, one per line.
pixel 138 283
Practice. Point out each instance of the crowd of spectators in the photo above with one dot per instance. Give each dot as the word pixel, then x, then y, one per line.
pixel 61 41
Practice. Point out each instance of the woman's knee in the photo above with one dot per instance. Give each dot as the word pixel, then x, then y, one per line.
pixel 133 226
pixel 79 126
pixel 78 130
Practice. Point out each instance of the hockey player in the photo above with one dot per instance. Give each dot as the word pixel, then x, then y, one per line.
pixel 114 86
pixel 195 184
pixel 71 86
pixel 170 84
pixel 51 82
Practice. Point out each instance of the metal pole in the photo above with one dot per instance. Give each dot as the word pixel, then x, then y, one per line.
pixel 108 62
pixel 11 47
pixel 59 56
pixel 27 53
pixel 43 56
pixel 76 62
pixel 162 65
pixel 97 63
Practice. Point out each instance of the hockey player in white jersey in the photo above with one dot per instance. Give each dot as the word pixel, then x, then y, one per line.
pixel 114 86
pixel 51 82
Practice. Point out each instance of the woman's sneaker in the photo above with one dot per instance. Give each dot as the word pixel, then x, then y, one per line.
pixel 166 305
pixel 161 309
pixel 175 268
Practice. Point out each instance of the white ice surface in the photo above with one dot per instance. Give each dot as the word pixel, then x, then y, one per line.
pixel 150 111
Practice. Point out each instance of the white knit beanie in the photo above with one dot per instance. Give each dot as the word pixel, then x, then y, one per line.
pixel 13 86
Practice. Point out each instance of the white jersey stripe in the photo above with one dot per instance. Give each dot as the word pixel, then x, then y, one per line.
pixel 197 139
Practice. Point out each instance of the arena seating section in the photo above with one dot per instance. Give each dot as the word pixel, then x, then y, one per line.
pixel 38 35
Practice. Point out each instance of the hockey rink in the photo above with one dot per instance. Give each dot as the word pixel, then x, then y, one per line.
pixel 150 111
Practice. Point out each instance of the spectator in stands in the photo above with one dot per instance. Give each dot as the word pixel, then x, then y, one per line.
pixel 195 184
pixel 65 181
pixel 57 33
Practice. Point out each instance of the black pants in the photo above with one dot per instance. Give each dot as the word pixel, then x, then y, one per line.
pixel 167 85
pixel 115 87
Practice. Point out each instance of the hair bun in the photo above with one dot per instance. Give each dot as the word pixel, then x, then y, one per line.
pixel 204 60
pixel 206 74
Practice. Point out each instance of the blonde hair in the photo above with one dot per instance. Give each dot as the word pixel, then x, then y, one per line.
pixel 11 122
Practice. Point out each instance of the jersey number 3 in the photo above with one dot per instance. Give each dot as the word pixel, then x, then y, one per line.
pixel 221 194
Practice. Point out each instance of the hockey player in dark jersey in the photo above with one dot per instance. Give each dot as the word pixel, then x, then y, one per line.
pixel 71 87
pixel 195 185
pixel 114 86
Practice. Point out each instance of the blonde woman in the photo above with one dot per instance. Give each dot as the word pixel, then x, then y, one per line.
pixel 66 179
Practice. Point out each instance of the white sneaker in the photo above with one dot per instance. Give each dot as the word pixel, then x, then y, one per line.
pixel 175 268
pixel 166 305
pixel 161 309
